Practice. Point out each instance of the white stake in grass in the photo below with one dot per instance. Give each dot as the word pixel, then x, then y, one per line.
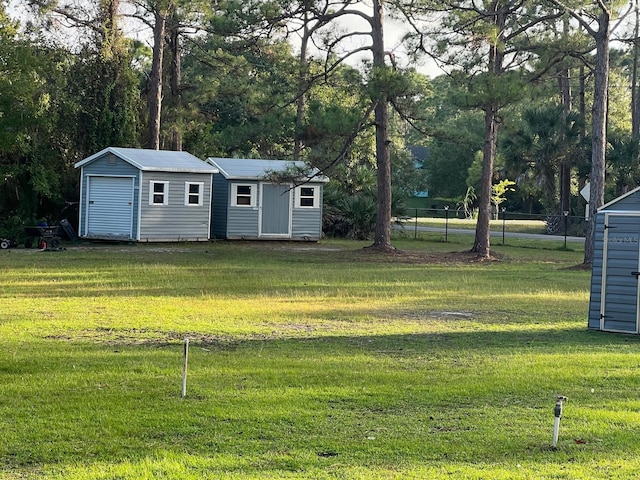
pixel 184 367
pixel 556 424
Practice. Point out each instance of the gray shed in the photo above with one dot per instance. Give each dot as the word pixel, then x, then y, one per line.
pixel 246 205
pixel 614 306
pixel 145 195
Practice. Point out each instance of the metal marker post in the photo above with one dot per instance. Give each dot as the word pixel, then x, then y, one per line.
pixel 184 367
pixel 446 223
pixel 566 217
pixel 504 218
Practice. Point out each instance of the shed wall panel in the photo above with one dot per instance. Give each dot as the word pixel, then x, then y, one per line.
pixel 242 222
pixel 614 290
pixel 110 164
pixel 219 207
pixel 307 222
pixel 174 221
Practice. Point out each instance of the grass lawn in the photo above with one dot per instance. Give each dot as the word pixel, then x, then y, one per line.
pixel 313 361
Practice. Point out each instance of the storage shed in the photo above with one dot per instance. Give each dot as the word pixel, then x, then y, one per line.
pixel 145 195
pixel 614 305
pixel 246 205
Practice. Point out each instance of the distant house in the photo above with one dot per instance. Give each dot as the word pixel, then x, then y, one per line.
pixel 247 205
pixel 420 155
pixel 145 195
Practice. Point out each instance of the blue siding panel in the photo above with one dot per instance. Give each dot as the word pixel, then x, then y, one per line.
pixel 219 207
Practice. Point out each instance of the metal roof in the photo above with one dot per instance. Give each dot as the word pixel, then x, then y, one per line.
pixel 155 160
pixel 257 169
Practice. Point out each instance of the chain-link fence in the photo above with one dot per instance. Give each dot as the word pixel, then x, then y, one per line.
pixel 505 223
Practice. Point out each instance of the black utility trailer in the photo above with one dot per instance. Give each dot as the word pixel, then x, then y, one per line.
pixel 45 237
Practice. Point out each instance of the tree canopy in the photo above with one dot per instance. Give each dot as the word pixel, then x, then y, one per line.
pixel 523 94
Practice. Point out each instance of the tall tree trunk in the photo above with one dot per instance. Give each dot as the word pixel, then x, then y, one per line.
pixel 565 166
pixel 155 80
pixel 302 88
pixel 564 85
pixel 382 238
pixel 635 101
pixel 599 136
pixel 482 243
pixel 111 31
pixel 175 76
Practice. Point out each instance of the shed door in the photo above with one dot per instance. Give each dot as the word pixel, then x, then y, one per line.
pixel 275 210
pixel 110 207
pixel 619 305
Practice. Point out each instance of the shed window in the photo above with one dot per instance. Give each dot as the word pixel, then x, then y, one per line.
pixel 243 195
pixel 158 193
pixel 193 193
pixel 307 197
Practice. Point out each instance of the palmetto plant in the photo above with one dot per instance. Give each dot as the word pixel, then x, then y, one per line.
pixel 547 140
pixel 354 216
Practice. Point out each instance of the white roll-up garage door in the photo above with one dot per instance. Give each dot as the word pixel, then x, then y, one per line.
pixel 110 207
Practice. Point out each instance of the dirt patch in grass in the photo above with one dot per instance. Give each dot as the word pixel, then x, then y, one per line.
pixel 414 257
pixel 435 315
pixel 370 254
pixel 580 267
pixel 154 338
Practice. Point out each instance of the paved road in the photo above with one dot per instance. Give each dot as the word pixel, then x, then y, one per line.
pixel 494 234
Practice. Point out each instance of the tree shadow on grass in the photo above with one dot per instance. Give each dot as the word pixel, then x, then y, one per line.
pixel 278 401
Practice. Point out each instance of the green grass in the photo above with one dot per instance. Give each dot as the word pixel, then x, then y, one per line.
pixel 316 361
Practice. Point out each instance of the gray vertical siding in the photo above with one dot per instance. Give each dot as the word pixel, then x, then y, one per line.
pixel 175 221
pixel 614 289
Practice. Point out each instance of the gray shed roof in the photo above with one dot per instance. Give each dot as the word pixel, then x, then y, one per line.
pixel 155 160
pixel 257 169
